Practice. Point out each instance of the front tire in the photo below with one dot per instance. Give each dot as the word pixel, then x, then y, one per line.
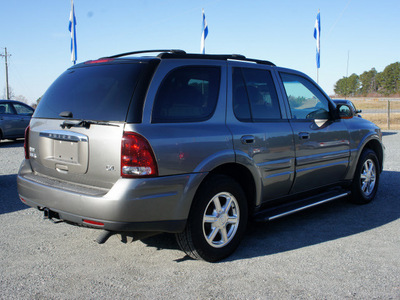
pixel 366 178
pixel 217 220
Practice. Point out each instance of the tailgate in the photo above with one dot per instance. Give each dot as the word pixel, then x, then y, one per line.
pixel 89 156
pixel 76 130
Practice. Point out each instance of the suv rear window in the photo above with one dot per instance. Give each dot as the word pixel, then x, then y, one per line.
pixel 187 94
pixel 98 92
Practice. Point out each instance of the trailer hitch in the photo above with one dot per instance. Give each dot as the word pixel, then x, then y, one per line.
pixel 50 215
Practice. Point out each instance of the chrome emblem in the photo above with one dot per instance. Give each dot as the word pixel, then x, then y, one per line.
pixel 110 168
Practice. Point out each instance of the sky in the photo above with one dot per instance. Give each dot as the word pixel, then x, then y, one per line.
pixel 356 35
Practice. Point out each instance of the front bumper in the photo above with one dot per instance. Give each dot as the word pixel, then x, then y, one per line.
pixel 150 204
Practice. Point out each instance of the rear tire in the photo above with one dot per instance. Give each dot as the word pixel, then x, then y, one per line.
pixel 366 178
pixel 217 220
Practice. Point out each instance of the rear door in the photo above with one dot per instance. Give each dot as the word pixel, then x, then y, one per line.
pixel 262 136
pixel 322 142
pixel 23 116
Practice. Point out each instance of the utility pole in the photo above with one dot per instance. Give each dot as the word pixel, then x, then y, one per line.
pixel 5 57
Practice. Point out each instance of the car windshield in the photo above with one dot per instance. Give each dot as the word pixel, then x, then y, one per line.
pixel 97 92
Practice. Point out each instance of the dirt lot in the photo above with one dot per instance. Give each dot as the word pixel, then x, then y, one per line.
pixel 336 251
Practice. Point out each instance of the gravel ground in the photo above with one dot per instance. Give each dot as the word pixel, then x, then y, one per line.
pixel 335 251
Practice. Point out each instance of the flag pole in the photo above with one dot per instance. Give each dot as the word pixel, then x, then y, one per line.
pixel 204 33
pixel 317 34
pixel 72 29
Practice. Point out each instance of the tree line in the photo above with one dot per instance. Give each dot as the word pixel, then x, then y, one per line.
pixel 385 83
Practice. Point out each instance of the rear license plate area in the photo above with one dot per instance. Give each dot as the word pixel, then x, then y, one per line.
pixel 65 151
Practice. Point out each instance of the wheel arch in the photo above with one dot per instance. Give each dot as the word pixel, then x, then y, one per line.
pixel 372 143
pixel 243 177
pixel 377 147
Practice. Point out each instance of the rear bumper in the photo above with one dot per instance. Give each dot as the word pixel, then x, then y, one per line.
pixel 151 204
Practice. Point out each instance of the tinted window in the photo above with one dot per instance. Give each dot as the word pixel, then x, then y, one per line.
pixel 23 109
pixel 187 94
pixel 6 108
pixel 254 95
pixel 305 100
pixel 98 92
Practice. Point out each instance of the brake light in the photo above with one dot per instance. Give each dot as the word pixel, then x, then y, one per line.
pixel 98 61
pixel 137 156
pixel 26 142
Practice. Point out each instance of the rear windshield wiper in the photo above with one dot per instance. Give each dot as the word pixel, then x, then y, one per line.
pixel 84 123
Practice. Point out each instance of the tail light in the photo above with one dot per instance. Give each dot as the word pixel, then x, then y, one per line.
pixel 26 142
pixel 137 157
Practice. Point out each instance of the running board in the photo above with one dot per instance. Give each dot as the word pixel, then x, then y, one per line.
pixel 291 208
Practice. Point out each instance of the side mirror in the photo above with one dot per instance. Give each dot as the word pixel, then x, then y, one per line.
pixel 345 111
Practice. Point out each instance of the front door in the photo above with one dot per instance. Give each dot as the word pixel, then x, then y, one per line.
pixel 9 120
pixel 321 141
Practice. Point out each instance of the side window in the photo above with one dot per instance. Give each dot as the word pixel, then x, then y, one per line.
pixel 187 94
pixel 305 100
pixel 254 95
pixel 6 108
pixel 23 110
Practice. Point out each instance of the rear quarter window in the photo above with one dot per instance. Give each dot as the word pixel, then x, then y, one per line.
pixel 23 109
pixel 98 92
pixel 187 94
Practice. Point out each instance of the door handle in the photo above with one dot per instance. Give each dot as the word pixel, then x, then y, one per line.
pixel 304 135
pixel 247 139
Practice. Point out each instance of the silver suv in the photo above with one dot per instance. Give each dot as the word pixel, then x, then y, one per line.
pixel 194 145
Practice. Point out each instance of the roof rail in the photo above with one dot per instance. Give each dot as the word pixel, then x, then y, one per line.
pixel 261 62
pixel 177 51
pixel 213 56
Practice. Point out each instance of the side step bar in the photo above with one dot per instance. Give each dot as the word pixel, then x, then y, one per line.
pixel 286 209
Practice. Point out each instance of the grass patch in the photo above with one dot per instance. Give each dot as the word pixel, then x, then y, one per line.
pixel 375 104
pixel 381 120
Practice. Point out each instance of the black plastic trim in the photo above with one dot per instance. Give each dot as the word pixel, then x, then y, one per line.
pixel 147 51
pixel 172 55
pixel 135 111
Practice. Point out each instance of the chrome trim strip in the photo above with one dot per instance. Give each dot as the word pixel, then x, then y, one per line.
pixel 308 206
pixel 62 135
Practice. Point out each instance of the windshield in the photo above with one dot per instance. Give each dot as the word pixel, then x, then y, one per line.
pixel 98 92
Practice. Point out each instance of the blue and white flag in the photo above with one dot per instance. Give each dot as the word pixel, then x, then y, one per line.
pixel 72 25
pixel 204 34
pixel 317 33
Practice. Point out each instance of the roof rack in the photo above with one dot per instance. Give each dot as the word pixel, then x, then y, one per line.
pixel 183 54
pixel 176 53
